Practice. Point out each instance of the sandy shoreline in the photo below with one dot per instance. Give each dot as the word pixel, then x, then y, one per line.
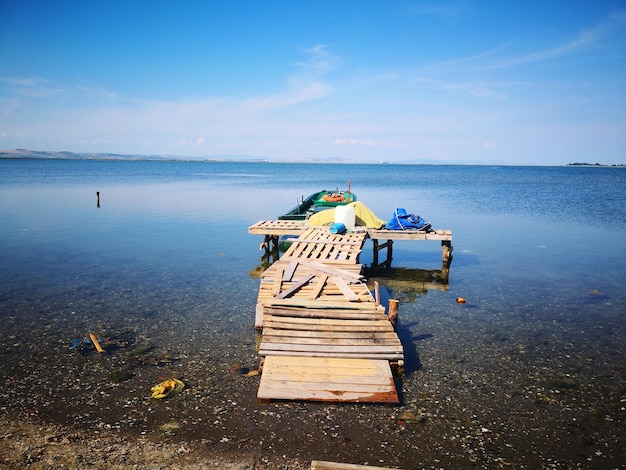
pixel 46 446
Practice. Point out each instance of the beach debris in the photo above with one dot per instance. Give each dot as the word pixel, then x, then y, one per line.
pixel 167 388
pixel 460 300
pixel 417 416
pixel 79 342
pixel 82 342
pixel 96 342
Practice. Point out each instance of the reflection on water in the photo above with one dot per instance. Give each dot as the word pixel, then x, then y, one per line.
pixel 405 284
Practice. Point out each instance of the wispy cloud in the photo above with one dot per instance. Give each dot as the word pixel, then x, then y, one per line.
pixel 32 87
pixel 319 62
pixel 479 89
pixel 583 41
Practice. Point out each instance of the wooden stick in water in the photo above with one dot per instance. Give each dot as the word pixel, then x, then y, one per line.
pixel 96 343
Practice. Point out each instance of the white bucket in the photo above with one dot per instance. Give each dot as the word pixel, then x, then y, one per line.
pixel 345 215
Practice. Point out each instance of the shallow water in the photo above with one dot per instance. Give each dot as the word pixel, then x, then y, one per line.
pixel 535 356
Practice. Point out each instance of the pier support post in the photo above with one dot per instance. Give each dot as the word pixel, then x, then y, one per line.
pixel 446 252
pixel 393 311
pixel 377 293
pixel 270 249
pixel 379 246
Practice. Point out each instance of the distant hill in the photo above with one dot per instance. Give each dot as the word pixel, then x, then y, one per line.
pixel 25 153
pixel 591 164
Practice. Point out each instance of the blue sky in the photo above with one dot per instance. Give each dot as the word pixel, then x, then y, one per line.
pixel 503 82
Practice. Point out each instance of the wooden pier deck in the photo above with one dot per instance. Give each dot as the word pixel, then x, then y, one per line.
pixel 324 337
pixel 273 229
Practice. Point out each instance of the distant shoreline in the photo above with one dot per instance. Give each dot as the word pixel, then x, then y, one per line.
pixel 25 154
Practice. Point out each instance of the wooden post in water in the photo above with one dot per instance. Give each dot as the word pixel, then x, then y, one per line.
pixel 446 251
pixel 97 198
pixel 393 311
pixel 377 292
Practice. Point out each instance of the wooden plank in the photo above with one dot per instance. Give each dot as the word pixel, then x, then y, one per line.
pixel 369 327
pixel 302 333
pixel 319 286
pixel 287 378
pixel 409 235
pixel 345 289
pixel 340 314
pixel 330 341
pixel 335 355
pixel 326 465
pixel 333 271
pixel 277 227
pixel 339 348
pixel 278 281
pixel 327 242
pixel 258 316
pixel 319 304
pixel 291 269
pixel 287 292
pixel 327 324
pixel 282 308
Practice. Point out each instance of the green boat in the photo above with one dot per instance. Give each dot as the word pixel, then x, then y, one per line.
pixel 319 201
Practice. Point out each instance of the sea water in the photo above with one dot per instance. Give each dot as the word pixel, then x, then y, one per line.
pixel 539 238
pixel 158 252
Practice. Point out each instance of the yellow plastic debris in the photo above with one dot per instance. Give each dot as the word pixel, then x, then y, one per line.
pixel 167 388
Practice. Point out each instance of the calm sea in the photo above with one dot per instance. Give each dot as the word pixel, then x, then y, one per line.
pixel 539 238
pixel 539 252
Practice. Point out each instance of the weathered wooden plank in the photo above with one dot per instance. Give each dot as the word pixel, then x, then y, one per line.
pixel 371 327
pixel 340 314
pixel 329 354
pixel 321 312
pixel 278 281
pixel 277 227
pixel 332 270
pixel 320 304
pixel 304 333
pixel 326 465
pixel 339 348
pixel 328 242
pixel 327 324
pixel 258 316
pixel 291 269
pixel 286 378
pixel 287 292
pixel 345 289
pixel 319 286
pixel 330 341
pixel 409 235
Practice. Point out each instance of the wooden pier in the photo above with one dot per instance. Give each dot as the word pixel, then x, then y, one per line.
pixel 324 336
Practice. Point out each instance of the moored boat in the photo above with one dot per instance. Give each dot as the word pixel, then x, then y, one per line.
pixel 317 202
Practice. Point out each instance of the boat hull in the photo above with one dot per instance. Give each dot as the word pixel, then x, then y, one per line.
pixel 319 201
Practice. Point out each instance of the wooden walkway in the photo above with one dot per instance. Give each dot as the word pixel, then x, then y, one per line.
pixel 324 336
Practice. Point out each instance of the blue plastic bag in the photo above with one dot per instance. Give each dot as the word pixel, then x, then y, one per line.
pixel 402 220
